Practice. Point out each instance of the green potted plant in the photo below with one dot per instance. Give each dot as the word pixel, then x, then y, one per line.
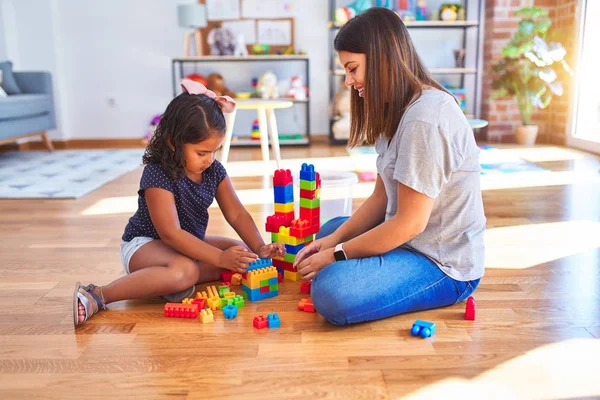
pixel 528 69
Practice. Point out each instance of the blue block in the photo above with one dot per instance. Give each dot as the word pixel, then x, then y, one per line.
pixel 307 173
pixel 283 194
pixel 274 321
pixel 289 249
pixel 230 311
pixel 256 295
pixel 280 271
pixel 273 281
pixel 260 263
pixel 423 328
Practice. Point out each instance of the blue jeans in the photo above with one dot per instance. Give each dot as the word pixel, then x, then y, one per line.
pixel 393 283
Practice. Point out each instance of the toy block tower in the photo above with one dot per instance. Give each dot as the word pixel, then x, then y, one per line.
pixel 260 284
pixel 294 233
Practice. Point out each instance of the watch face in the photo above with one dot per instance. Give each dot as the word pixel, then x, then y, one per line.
pixel 339 255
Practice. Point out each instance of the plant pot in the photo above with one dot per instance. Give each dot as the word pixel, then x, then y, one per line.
pixel 527 134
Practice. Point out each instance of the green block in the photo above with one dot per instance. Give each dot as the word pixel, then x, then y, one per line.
pixel 274 287
pixel 274 237
pixel 308 185
pixel 223 290
pixel 309 238
pixel 289 258
pixel 238 301
pixel 306 203
pixel 264 283
pixel 225 302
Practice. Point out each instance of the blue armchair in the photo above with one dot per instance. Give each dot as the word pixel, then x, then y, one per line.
pixel 30 113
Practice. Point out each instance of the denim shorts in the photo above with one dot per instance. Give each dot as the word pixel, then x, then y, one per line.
pixel 128 248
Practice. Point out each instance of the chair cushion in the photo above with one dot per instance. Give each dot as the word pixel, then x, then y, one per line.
pixel 24 105
pixel 7 81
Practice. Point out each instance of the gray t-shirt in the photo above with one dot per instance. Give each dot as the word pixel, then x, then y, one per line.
pixel 434 152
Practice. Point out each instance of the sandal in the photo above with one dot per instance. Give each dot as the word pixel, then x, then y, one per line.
pixel 92 303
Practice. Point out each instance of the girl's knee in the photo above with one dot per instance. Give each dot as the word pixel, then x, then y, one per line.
pixel 329 301
pixel 184 273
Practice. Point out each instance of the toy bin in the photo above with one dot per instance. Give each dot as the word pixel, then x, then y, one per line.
pixel 336 193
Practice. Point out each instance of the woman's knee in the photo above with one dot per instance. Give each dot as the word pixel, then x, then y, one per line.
pixel 329 301
pixel 331 226
pixel 184 273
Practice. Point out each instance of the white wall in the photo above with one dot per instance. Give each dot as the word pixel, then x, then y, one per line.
pixel 3 55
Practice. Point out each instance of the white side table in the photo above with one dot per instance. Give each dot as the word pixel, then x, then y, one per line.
pixel 265 109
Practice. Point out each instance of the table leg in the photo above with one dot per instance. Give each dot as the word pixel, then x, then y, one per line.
pixel 274 135
pixel 264 133
pixel 230 119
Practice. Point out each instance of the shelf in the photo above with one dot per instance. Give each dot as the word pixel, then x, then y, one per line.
pixel 272 57
pixel 244 142
pixel 251 99
pixel 434 71
pixel 429 24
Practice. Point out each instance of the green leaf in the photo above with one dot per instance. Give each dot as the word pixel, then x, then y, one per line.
pixel 531 12
pixel 526 27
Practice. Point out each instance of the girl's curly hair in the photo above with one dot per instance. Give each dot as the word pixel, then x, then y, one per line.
pixel 189 118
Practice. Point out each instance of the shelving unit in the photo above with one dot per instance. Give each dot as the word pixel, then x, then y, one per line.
pixel 475 71
pixel 178 67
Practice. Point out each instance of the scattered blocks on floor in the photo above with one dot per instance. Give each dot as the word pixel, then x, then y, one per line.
pixel 260 322
pixel 200 302
pixel 177 310
pixel 305 287
pixel 207 316
pixel 236 279
pixel 238 301
pixel 306 305
pixel 423 328
pixel 273 320
pixel 223 290
pixel 230 311
pixel 212 291
pixel 470 309
pixel 226 276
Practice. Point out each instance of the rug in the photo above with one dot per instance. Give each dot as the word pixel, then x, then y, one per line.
pixel 63 174
pixel 492 160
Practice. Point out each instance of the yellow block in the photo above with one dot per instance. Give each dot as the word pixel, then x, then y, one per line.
pixel 229 295
pixel 212 291
pixel 284 208
pixel 206 316
pixel 201 295
pixel 253 278
pixel 214 303
pixel 292 276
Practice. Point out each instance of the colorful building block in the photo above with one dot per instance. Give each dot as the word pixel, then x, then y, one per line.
pixel 225 302
pixel 238 301
pixel 226 276
pixel 214 303
pixel 186 301
pixel 282 177
pixel 284 207
pixel 283 194
pixel 260 263
pixel 275 237
pixel 310 214
pixel 308 194
pixel 307 172
pixel 274 321
pixel 200 302
pixel 254 295
pixel 289 249
pixel 301 228
pixel 201 295
pixel 308 185
pixel 423 328
pixel 223 290
pixel 229 295
pixel 305 287
pixel 260 322
pixel 470 309
pixel 254 278
pixel 207 316
pixel 292 276
pixel 178 310
pixel 306 203
pixel 274 222
pixel 279 277
pixel 236 279
pixel 230 311
pixel 283 265
pixel 306 305
pixel 212 291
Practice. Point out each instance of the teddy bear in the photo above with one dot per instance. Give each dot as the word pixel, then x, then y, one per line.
pixel 341 127
pixel 297 89
pixel 221 41
pixel 267 86
pixel 216 83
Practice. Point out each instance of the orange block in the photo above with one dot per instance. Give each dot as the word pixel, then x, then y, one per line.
pixel 306 305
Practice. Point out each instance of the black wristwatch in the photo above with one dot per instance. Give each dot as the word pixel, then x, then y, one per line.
pixel 338 253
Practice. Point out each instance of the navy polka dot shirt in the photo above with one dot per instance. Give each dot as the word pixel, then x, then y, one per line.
pixel 191 199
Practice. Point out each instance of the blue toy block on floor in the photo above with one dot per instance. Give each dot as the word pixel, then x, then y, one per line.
pixel 307 172
pixel 283 194
pixel 256 295
pixel 274 321
pixel 423 328
pixel 260 263
pixel 230 311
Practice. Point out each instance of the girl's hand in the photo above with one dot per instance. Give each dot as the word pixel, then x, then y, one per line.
pixel 272 250
pixel 236 259
pixel 308 251
pixel 313 264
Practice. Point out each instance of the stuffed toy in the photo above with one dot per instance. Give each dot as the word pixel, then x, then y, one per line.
pixel 267 86
pixel 297 89
pixel 216 83
pixel 221 42
pixel 240 46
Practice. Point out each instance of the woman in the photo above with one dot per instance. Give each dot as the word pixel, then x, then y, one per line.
pixel 417 242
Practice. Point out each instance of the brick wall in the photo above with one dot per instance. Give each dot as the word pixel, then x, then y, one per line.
pixel 503 114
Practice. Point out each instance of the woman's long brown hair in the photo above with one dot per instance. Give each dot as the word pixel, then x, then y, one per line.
pixel 394 73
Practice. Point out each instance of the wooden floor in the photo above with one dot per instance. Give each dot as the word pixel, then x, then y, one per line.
pixel 536 333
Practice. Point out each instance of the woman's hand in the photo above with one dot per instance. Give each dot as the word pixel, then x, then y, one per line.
pixel 272 250
pixel 312 248
pixel 236 259
pixel 316 262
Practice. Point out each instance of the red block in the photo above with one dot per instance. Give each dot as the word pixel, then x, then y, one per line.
pixel 279 277
pixel 244 275
pixel 264 289
pixel 274 222
pixel 200 302
pixel 178 310
pixel 310 214
pixel 318 181
pixel 306 305
pixel 288 266
pixel 305 287
pixel 308 194
pixel 470 309
pixel 226 276
pixel 228 284
pixel 282 177
pixel 260 322
pixel 287 218
pixel 300 228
